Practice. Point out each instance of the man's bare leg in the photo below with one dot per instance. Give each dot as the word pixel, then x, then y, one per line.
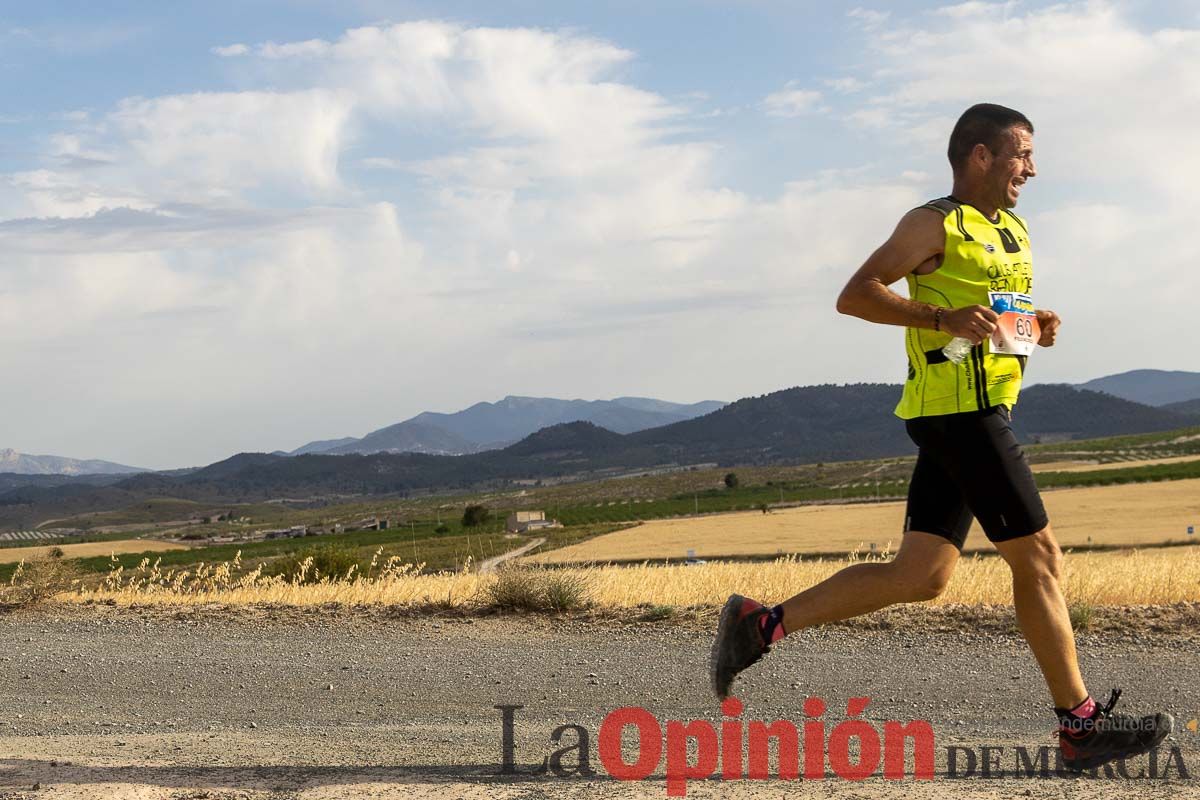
pixel 919 571
pixel 1036 563
pixel 746 629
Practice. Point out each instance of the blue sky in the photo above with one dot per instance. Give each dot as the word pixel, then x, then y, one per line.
pixel 242 226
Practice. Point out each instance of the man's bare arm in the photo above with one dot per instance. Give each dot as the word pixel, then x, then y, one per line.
pixel 918 240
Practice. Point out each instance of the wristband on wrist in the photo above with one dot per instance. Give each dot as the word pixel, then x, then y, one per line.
pixel 937 318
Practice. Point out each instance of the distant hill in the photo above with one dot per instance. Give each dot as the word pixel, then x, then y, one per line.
pixel 411 436
pixel 1191 407
pixel 491 426
pixel 1153 387
pixel 13 480
pixel 322 446
pixel 827 423
pixel 23 464
pixel 1062 411
pixel 568 440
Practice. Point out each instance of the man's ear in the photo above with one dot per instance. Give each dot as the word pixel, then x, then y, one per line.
pixel 981 155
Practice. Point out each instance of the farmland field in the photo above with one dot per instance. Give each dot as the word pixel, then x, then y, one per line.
pixel 1093 466
pixel 1129 514
pixel 89 549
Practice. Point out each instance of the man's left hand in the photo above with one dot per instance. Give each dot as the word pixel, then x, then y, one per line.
pixel 1049 322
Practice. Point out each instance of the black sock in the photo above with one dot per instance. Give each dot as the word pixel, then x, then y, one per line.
pixel 771 625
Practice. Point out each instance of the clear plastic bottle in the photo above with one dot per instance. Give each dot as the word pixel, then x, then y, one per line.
pixel 957 349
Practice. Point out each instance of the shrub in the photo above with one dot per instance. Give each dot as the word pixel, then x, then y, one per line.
pixel 516 589
pixel 39 579
pixel 524 589
pixel 657 613
pixel 475 515
pixel 565 591
pixel 328 561
pixel 1081 616
pixel 731 480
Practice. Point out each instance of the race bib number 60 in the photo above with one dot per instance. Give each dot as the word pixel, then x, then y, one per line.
pixel 1017 331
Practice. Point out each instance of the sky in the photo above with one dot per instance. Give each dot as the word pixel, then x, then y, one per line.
pixel 242 226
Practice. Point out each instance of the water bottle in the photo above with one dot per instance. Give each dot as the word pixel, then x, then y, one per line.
pixel 957 350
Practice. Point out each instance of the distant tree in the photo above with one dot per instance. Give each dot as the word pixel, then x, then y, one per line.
pixel 731 480
pixel 475 515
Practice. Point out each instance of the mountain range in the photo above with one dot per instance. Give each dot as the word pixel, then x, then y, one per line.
pixel 491 426
pixel 25 464
pixel 799 425
pixel 494 426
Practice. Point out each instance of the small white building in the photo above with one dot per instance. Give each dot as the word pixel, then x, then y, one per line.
pixel 522 521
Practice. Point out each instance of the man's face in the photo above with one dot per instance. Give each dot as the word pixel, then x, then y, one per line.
pixel 1012 166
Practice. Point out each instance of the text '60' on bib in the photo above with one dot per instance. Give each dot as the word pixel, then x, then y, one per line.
pixel 1017 331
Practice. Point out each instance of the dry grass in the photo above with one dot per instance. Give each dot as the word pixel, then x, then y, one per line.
pixel 38 580
pixel 1095 466
pixel 1124 578
pixel 1134 577
pixel 1128 515
pixel 9 555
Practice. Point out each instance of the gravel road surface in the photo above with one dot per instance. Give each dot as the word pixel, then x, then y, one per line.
pixel 101 702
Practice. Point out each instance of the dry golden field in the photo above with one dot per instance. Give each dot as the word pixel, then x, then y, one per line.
pixel 88 549
pixel 1132 514
pixel 1093 466
pixel 1129 577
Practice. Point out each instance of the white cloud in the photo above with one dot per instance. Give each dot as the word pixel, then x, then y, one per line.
pixel 381 162
pixel 792 101
pixel 1083 72
pixel 231 50
pixel 238 140
pixel 209 236
pixel 971 8
pixel 313 48
pixel 868 18
pixel 846 85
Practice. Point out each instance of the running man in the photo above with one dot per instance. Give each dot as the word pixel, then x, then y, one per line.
pixel 962 255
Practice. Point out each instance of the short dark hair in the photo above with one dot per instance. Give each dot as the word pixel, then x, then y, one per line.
pixel 983 123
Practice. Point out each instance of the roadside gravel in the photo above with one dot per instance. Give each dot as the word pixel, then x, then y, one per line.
pixel 100 702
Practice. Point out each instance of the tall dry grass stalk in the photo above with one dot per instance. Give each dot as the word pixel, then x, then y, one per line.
pixel 1133 577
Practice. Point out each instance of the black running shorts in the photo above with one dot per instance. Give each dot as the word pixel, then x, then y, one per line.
pixel 971 465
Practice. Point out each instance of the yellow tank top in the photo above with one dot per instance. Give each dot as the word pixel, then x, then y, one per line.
pixel 981 256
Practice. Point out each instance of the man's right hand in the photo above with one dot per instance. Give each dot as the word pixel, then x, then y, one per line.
pixel 974 323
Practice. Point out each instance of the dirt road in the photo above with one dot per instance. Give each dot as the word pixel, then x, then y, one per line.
pixel 490 564
pixel 105 703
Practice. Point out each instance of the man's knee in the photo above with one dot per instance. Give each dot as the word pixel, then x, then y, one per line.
pixel 918 585
pixel 1036 557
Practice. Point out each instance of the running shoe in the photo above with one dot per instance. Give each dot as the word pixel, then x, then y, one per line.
pixel 738 643
pixel 1105 736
